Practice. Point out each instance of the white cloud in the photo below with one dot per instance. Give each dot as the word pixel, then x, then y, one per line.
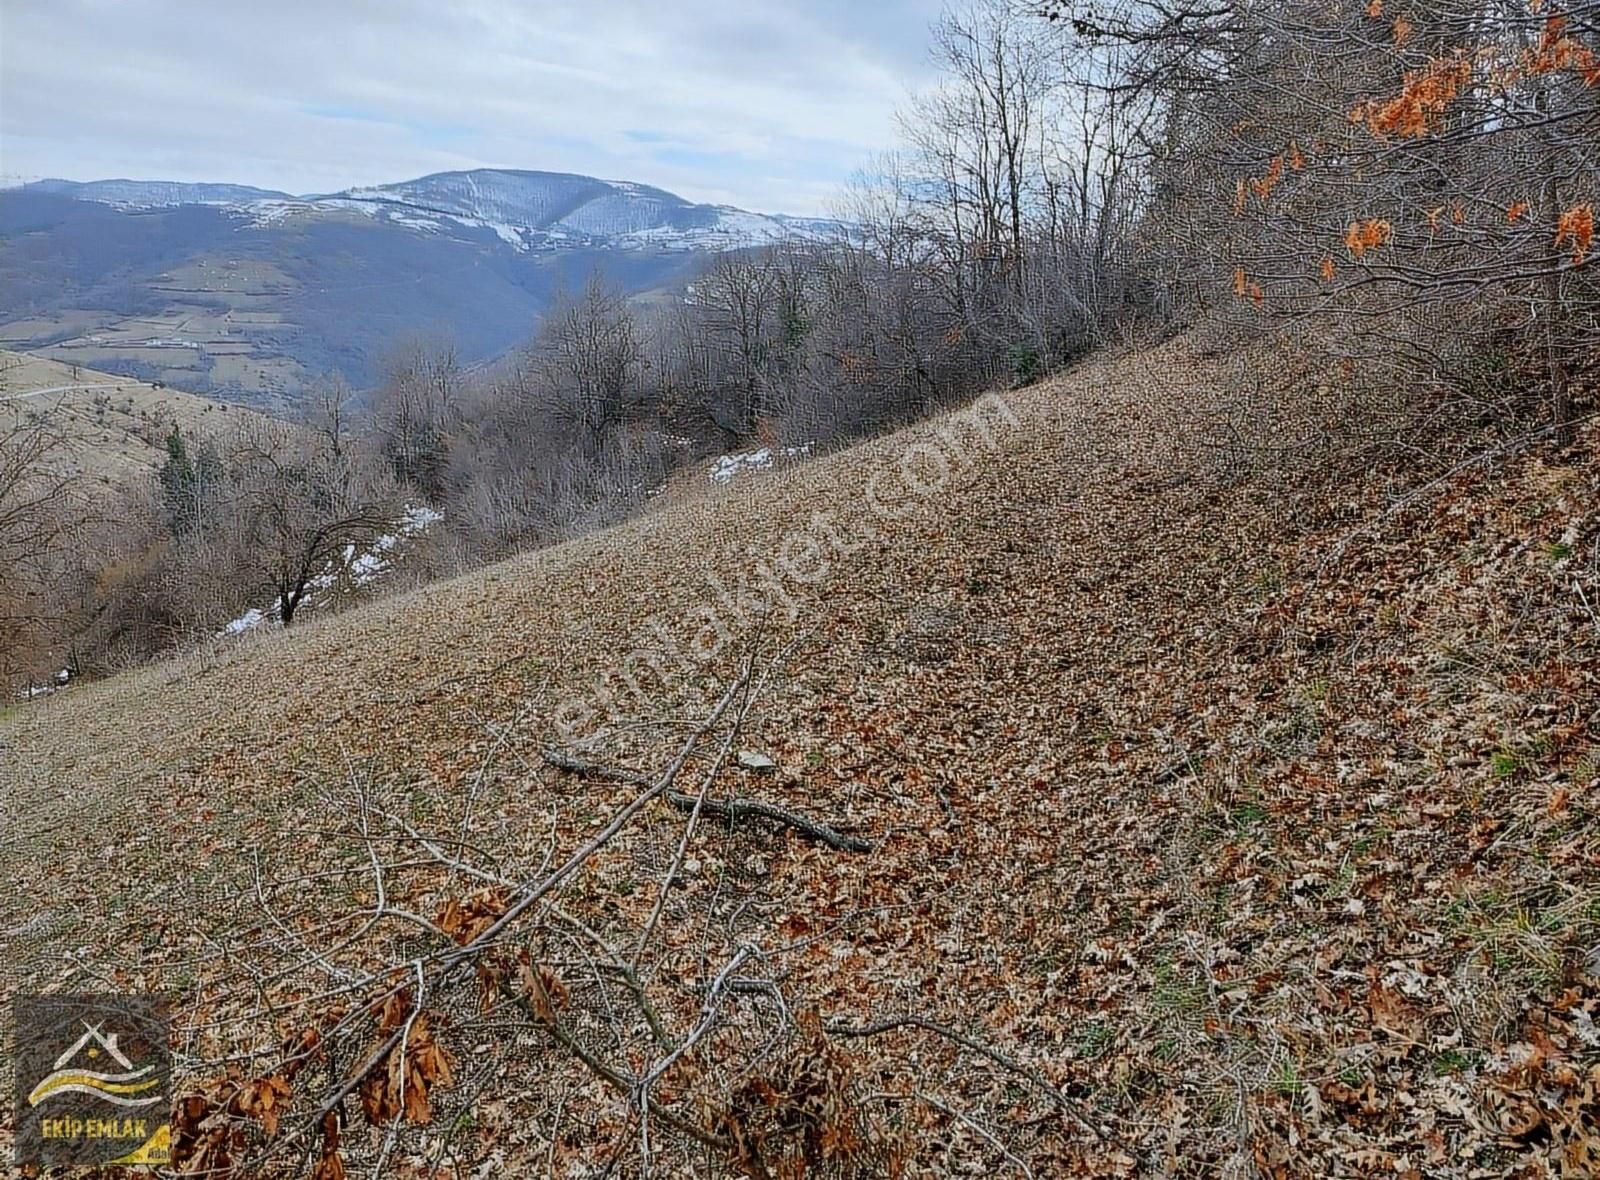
pixel 762 104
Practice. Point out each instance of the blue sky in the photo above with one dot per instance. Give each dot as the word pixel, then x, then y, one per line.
pixel 765 105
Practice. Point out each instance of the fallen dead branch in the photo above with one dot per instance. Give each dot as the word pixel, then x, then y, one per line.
pixel 429 978
pixel 1011 1065
pixel 733 810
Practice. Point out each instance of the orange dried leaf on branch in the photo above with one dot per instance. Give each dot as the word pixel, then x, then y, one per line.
pixel 1296 160
pixel 393 1011
pixel 1402 30
pixel 1576 227
pixel 1327 269
pixel 1515 210
pixel 1256 292
pixel 1424 97
pixel 543 988
pixel 1239 195
pixel 1458 214
pixel 1558 50
pixel 1433 217
pixel 1375 8
pixel 330 1166
pixel 1240 283
pixel 1362 236
pixel 401 1082
pixel 1263 187
pixel 464 921
pixel 427 1066
pixel 380 1092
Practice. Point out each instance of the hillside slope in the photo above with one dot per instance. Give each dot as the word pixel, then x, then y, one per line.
pixel 113 428
pixel 1258 820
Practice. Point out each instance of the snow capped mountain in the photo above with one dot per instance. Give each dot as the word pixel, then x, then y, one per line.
pixel 152 194
pixel 528 211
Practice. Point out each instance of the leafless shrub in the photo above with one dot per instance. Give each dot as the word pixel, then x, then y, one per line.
pixel 39 512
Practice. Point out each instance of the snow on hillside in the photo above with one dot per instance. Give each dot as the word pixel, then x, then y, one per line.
pixel 727 467
pixel 355 568
pixel 153 194
pixel 525 210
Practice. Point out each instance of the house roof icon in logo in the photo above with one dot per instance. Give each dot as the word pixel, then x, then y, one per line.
pixel 75 1072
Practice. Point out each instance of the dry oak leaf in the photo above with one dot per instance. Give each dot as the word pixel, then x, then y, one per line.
pixel 1362 236
pixel 264 1100
pixel 1392 1013
pixel 400 1083
pixel 298 1049
pixel 329 1165
pixel 1576 226
pixel 465 921
pixel 1424 97
pixel 544 989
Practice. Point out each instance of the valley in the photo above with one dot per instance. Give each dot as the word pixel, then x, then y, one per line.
pixel 250 295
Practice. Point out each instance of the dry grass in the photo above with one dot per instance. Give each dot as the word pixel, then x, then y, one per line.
pixel 1165 807
pixel 115 436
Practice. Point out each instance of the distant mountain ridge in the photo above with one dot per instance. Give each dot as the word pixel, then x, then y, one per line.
pixel 527 210
pixel 151 194
pixel 251 294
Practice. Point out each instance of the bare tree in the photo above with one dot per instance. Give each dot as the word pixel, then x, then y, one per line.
pixel 415 412
pixel 39 510
pixel 738 301
pixel 296 506
pixel 592 360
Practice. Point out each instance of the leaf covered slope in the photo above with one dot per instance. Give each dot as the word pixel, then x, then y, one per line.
pixel 1257 817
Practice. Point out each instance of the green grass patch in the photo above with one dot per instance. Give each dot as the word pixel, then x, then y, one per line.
pixel 1453 1061
pixel 1093 1039
pixel 1286 1079
pixel 1248 816
pixel 1177 995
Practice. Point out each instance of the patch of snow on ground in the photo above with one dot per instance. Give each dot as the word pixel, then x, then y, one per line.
pixel 419 517
pixel 355 567
pixel 249 621
pixel 728 466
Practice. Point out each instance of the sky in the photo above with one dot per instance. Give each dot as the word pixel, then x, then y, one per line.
pixel 757 103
